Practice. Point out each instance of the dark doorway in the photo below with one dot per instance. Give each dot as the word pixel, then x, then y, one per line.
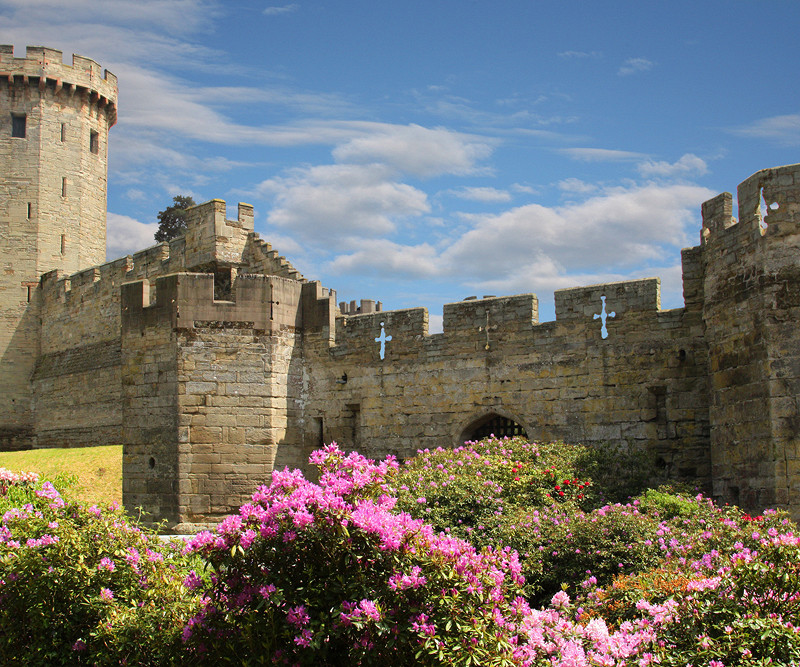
pixel 493 424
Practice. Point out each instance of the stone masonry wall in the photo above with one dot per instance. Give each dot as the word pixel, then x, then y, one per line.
pixel 149 378
pixel 752 305
pixel 237 385
pixel 52 201
pixel 642 386
pixel 76 381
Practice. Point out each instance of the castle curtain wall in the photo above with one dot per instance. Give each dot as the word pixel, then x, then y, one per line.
pixel 642 386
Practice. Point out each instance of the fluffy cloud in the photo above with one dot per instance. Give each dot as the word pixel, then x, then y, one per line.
pixel 482 194
pixel 615 234
pixel 125 235
pixel 415 150
pixel 388 259
pixel 618 228
pixel 277 11
pixel 577 186
pixel 634 65
pixel 687 165
pixel 326 204
pixel 172 15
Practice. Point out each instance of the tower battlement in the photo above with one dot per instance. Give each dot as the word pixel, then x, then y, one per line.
pixel 43 67
pixel 769 206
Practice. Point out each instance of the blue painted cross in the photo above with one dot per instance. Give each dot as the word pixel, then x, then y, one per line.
pixel 603 317
pixel 383 339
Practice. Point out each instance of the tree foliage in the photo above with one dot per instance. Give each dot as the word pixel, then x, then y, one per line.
pixel 172 220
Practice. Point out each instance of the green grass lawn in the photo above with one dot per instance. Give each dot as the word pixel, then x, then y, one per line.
pixel 98 469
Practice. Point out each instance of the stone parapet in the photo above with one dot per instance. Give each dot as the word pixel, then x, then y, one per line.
pixel 44 67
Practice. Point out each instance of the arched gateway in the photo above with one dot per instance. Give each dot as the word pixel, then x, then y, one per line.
pixel 492 424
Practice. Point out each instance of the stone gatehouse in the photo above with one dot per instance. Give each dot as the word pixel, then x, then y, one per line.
pixel 212 360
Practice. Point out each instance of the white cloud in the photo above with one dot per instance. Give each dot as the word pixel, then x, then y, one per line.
pixel 323 204
pixel 524 189
pixel 134 194
pixel 620 227
pixel 781 129
pixel 580 54
pixel 388 259
pixel 285 9
pixel 634 65
pixel 617 234
pixel 125 235
pixel 686 165
pixel 170 15
pixel 577 186
pixel 482 194
pixel 415 150
pixel 600 154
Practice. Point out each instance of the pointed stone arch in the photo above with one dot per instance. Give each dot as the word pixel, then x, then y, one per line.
pixel 496 422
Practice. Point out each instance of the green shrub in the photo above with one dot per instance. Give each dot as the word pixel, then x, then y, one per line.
pixel 84 586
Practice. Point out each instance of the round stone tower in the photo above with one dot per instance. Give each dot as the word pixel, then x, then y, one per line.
pixel 54 121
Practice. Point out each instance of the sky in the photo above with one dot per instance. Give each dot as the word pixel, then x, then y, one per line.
pixel 424 151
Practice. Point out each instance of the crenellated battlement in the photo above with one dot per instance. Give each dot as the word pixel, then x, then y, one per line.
pixel 44 68
pixel 769 206
pixel 261 257
pixel 584 313
pixel 360 308
pixel 264 303
pixel 621 297
pixel 212 241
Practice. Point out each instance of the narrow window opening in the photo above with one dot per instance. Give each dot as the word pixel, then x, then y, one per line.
pixel 18 122
pixel 63 132
pixel 63 243
pixel 29 210
pixel 29 293
pixel 320 432
pixel 64 186
pixel 660 416
pixel 223 285
pixel 355 422
pixel 94 142
pixel 151 463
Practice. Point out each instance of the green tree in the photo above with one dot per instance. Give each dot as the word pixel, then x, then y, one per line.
pixel 172 220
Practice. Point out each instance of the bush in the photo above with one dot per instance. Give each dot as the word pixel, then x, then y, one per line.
pixel 534 498
pixel 84 586
pixel 328 574
pixel 336 573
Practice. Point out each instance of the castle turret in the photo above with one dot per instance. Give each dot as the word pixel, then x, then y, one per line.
pixel 54 121
pixel 751 310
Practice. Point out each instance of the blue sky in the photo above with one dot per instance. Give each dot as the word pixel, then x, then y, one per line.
pixel 421 152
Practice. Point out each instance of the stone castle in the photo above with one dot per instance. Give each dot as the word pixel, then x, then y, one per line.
pixel 212 360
